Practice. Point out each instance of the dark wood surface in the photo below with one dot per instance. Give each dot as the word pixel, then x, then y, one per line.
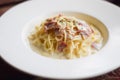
pixel 7 72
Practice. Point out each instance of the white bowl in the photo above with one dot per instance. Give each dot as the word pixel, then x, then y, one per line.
pixel 14 27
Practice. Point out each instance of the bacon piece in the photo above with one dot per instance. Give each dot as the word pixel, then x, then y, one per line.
pixel 85 30
pixel 50 25
pixel 80 24
pixel 57 31
pixel 95 46
pixel 60 15
pixel 92 30
pixel 75 29
pixel 54 27
pixel 82 32
pixel 61 46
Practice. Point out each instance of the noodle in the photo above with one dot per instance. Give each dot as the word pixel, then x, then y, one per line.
pixel 66 36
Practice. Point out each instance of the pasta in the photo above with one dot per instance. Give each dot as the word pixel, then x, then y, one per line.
pixel 67 37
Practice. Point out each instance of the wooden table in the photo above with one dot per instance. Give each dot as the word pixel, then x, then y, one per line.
pixel 7 72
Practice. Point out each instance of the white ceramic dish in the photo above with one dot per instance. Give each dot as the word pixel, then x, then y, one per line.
pixel 13 48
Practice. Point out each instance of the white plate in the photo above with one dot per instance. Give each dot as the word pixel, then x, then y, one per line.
pixel 14 51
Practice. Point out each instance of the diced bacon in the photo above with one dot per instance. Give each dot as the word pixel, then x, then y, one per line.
pixel 82 32
pixel 80 24
pixel 60 15
pixel 61 46
pixel 95 46
pixel 50 25
pixel 75 29
pixel 57 31
pixel 54 27
pixel 49 20
pixel 92 30
pixel 85 32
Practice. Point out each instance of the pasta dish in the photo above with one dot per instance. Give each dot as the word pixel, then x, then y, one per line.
pixel 66 37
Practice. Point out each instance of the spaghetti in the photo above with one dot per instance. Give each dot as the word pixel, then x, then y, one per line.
pixel 67 37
